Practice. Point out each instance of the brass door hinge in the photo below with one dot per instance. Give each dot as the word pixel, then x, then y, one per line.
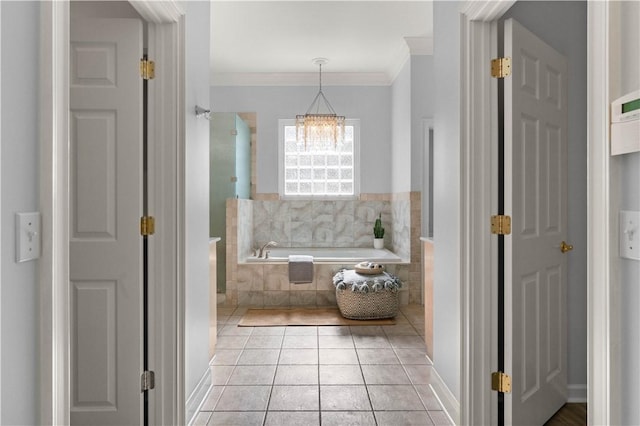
pixel 147 225
pixel 501 225
pixel 147 69
pixel 147 381
pixel 500 382
pixel 500 67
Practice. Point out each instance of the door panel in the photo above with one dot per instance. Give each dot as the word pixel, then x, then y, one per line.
pixel 535 197
pixel 93 144
pixel 94 307
pixel 105 207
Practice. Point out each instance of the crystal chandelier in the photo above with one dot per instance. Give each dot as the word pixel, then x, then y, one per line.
pixel 320 126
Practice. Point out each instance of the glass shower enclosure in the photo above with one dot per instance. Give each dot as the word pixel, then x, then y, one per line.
pixel 229 177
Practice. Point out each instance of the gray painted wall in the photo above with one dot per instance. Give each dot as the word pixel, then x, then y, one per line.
pixel 563 25
pixel 422 107
pixel 19 155
pixel 446 188
pixel 628 74
pixel 370 104
pixel 389 116
pixel 401 130
pixel 412 95
pixel 197 193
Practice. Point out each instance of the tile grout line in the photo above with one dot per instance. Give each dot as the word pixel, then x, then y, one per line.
pixel 273 380
pixel 366 387
pixel 318 372
pixel 413 385
pixel 388 335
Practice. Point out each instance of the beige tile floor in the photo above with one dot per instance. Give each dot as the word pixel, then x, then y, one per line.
pixel 358 375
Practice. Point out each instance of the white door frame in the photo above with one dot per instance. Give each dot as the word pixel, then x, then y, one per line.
pixel 477 41
pixel 478 44
pixel 601 348
pixel 1 198
pixel 166 202
pixel 427 129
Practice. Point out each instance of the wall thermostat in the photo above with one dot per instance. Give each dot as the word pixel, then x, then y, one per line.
pixel 625 124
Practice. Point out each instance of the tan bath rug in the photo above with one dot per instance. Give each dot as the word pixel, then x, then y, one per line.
pixel 302 316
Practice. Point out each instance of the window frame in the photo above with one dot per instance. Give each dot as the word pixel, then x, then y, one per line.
pixel 282 123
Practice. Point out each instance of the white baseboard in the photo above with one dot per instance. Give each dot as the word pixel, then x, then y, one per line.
pixel 448 401
pixel 577 393
pixel 198 395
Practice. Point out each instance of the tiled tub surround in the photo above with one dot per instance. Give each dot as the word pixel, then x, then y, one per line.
pixel 268 285
pixel 316 224
pixel 351 255
pixel 319 223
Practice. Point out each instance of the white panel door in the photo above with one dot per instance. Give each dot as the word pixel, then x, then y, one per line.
pixel 535 197
pixel 105 207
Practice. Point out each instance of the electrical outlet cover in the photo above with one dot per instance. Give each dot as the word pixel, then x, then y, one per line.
pixel 27 236
pixel 630 234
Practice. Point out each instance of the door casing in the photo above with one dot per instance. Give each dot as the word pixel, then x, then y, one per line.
pixel 479 183
pixel 166 202
pixel 602 175
pixel 479 133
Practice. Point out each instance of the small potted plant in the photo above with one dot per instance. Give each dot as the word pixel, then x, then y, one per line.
pixel 378 233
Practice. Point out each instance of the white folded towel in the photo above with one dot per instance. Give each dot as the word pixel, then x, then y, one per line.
pixel 300 269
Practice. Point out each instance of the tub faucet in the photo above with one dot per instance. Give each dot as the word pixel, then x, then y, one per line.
pixel 262 253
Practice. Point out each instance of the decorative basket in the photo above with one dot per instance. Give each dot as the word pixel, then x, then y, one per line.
pixel 363 297
pixel 363 306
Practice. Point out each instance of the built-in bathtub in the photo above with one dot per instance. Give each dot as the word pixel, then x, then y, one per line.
pixel 265 282
pixel 330 255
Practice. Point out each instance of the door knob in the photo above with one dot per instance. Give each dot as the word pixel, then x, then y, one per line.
pixel 564 247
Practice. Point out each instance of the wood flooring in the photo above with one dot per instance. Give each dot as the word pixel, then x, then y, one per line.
pixel 572 414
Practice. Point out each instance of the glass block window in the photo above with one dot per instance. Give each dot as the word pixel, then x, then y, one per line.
pixel 313 171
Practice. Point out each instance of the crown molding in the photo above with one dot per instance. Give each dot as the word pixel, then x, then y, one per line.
pixel 401 58
pixel 485 10
pixel 413 46
pixel 420 45
pixel 300 79
pixel 158 12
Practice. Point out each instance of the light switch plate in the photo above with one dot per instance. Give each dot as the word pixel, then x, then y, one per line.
pixel 630 234
pixel 27 236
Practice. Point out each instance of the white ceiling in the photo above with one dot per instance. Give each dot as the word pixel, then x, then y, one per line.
pixel 274 42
